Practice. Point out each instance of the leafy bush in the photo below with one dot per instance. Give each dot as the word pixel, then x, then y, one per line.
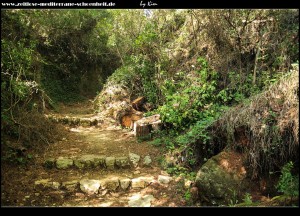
pixel 137 75
pixel 288 184
pixel 192 100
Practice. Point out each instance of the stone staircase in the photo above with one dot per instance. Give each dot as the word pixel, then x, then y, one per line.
pixel 97 186
pixel 90 161
pixel 99 170
pixel 128 188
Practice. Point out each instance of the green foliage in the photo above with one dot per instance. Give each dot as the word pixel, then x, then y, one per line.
pixel 247 199
pixel 288 184
pixel 137 75
pixel 193 100
pixel 234 200
pixel 188 197
pixel 14 156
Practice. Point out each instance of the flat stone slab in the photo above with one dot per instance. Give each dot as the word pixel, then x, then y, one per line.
pixel 89 161
pixel 90 186
pixel 64 163
pixel 140 201
pixel 110 162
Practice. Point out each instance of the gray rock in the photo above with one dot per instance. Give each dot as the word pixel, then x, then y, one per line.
pixel 64 163
pixel 50 163
pixel 125 183
pixel 138 201
pixel 110 184
pixel 221 178
pixel 164 179
pixel 110 162
pixel 70 185
pixel 134 158
pixel 90 186
pixel 89 161
pixel 122 162
pixel 147 161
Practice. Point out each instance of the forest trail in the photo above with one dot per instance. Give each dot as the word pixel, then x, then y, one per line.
pixel 66 174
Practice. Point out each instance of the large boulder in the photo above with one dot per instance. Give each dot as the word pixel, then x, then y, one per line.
pixel 221 178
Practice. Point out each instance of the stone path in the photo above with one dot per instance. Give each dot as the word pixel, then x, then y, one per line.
pixel 100 165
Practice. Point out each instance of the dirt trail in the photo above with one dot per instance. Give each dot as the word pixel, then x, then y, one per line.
pixel 102 139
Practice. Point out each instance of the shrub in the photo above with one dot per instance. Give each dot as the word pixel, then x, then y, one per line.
pixel 288 184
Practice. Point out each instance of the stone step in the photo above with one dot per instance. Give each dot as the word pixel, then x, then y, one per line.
pixel 97 161
pixel 96 186
pixel 76 121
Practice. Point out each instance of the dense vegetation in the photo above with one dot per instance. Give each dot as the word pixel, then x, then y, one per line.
pixel 192 66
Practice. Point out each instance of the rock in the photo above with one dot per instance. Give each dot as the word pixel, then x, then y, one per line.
pixel 89 161
pixel 134 158
pixel 46 183
pixel 138 201
pixel 221 178
pixel 55 185
pixel 90 186
pixel 103 192
pixel 110 162
pixel 148 180
pixel 122 162
pixel 187 183
pixel 164 179
pixel 50 163
pixel 42 183
pixel 137 183
pixel 70 185
pixel 136 172
pixel 99 160
pixel 141 182
pixel 125 183
pixel 64 163
pixel 110 184
pixel 147 161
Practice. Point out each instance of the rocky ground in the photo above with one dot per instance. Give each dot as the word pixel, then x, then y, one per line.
pixel 96 163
